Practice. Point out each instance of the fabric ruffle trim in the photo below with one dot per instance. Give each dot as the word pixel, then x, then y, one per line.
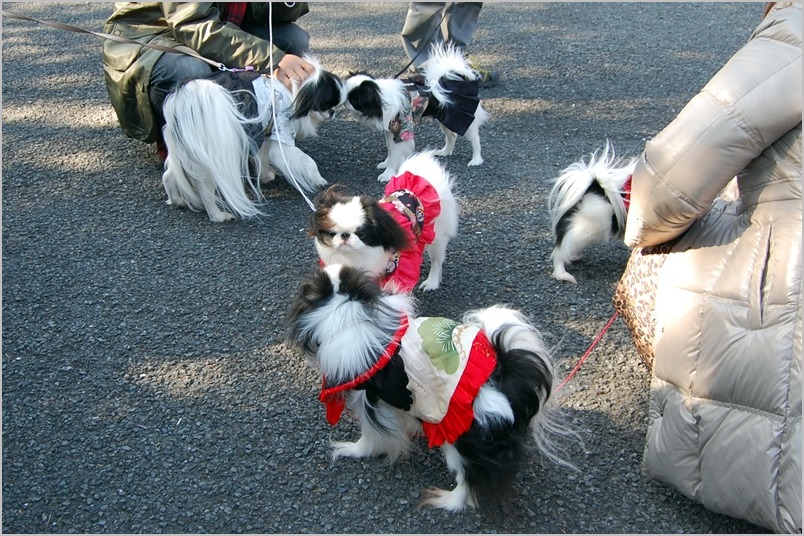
pixel 460 413
pixel 407 273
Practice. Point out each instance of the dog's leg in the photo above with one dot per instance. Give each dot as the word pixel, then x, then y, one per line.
pixel 296 166
pixel 437 251
pixel 397 153
pixel 473 135
pixel 389 145
pixel 559 272
pixel 210 199
pixel 384 431
pixel 171 183
pixel 446 228
pixel 267 171
pixel 460 497
pixel 449 141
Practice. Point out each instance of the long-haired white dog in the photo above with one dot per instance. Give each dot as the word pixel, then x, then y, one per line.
pixel 446 90
pixel 588 204
pixel 387 237
pixel 478 389
pixel 225 132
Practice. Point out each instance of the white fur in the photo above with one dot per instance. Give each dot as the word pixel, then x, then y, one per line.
pixel 445 61
pixel 209 150
pixel 206 165
pixel 491 406
pixel 460 497
pixel 591 223
pixel 347 248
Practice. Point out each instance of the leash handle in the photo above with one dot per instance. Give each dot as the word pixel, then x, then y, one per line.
pixel 181 49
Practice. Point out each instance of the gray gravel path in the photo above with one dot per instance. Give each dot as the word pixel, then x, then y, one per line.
pixel 146 386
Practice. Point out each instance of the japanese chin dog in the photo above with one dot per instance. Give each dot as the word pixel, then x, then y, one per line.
pixel 588 205
pixel 228 132
pixel 477 388
pixel 387 237
pixel 447 89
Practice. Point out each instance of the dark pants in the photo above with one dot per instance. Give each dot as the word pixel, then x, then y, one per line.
pixel 171 69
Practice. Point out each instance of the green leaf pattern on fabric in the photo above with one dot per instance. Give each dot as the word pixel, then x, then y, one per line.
pixel 437 341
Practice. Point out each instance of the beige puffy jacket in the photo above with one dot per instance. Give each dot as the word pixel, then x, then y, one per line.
pixel 725 408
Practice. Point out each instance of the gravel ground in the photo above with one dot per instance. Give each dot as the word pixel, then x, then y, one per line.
pixel 146 384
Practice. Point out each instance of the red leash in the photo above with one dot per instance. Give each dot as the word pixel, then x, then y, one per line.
pixel 589 351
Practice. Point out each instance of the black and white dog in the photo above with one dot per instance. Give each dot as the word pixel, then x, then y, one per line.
pixel 476 388
pixel 588 204
pixel 388 236
pixel 225 132
pixel 447 89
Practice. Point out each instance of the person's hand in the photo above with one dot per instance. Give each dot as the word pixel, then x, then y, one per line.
pixel 292 69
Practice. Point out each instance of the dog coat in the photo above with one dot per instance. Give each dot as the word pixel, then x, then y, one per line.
pixel 457 116
pixel 433 368
pixel 414 204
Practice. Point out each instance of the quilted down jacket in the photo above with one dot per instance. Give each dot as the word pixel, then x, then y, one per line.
pixel 725 407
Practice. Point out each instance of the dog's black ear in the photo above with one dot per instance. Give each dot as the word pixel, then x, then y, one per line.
pixel 358 285
pixel 314 290
pixel 382 229
pixel 367 99
pixel 320 94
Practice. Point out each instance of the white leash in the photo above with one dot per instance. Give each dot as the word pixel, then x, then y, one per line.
pixel 273 111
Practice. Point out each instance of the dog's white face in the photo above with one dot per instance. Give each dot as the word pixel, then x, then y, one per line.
pixel 343 238
pixel 355 231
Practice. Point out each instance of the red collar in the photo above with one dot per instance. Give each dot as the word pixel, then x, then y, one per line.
pixel 333 397
pixel 627 193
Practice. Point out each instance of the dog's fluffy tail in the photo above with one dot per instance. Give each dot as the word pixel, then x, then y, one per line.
pixel 526 369
pixel 446 61
pixel 610 172
pixel 208 144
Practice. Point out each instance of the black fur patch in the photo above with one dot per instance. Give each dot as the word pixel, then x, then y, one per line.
pixel 367 99
pixel 493 456
pixel 314 290
pixel 323 95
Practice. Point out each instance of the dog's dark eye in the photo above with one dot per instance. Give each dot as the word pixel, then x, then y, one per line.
pixel 331 234
pixel 360 234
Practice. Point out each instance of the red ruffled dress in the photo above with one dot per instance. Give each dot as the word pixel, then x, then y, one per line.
pixel 445 365
pixel 414 204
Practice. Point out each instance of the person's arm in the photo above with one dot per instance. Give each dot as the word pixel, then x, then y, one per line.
pixel 198 26
pixel 751 102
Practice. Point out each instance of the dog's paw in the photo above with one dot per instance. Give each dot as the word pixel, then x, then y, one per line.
pixel 476 161
pixel 452 501
pixel 348 449
pixel 442 152
pixel 221 217
pixel 564 276
pixel 386 176
pixel 429 286
pixel 383 164
pixel 267 176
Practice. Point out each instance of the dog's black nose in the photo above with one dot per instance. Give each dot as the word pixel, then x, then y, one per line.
pixel 345 236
